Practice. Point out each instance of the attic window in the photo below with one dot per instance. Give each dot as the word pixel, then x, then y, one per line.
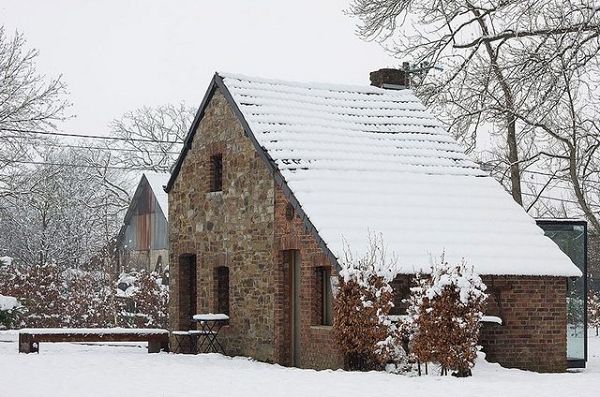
pixel 216 173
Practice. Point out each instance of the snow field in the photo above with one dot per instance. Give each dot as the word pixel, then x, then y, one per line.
pixel 69 370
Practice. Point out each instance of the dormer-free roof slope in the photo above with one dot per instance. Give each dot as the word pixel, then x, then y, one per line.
pixel 359 160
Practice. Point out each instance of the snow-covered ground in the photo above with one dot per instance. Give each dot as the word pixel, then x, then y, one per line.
pixel 67 370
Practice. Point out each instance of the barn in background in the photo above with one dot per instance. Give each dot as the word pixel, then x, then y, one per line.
pixel 143 239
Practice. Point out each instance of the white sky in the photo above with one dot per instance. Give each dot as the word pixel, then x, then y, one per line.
pixel 116 56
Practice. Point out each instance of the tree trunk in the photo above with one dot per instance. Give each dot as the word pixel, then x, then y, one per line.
pixel 513 158
pixel 511 133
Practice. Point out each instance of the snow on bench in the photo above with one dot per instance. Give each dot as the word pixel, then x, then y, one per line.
pixel 93 331
pixel 30 338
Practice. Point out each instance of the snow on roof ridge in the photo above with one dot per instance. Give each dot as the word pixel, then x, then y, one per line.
pixel 317 85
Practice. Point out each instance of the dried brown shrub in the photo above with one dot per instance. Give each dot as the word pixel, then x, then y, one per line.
pixel 445 311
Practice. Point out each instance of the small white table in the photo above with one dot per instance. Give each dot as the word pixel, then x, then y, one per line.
pixel 210 325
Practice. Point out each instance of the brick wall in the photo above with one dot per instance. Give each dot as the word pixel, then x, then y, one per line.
pixel 533 310
pixel 534 314
pixel 317 347
pixel 232 228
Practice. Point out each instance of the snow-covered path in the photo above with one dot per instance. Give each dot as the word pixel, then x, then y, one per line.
pixel 67 370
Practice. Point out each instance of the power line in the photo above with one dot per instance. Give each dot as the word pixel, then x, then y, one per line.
pixel 65 134
pixel 555 176
pixel 559 199
pixel 51 144
pixel 112 167
pixel 549 187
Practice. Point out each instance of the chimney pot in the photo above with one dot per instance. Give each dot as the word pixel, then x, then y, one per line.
pixel 394 79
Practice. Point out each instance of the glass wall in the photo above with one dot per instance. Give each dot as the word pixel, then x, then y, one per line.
pixel 571 237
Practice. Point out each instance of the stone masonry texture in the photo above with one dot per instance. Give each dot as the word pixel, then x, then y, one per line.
pixel 231 228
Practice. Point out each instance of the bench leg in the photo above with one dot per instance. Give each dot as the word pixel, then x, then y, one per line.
pixel 164 344
pixel 27 345
pixel 154 346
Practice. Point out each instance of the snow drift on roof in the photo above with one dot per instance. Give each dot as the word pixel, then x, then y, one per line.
pixel 157 181
pixel 364 160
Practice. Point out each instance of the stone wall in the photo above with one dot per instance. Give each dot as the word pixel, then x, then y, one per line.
pixel 231 228
pixel 533 335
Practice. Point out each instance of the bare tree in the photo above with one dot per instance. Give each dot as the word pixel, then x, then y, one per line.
pixel 569 120
pixel 153 136
pixel 63 210
pixel 28 100
pixel 494 56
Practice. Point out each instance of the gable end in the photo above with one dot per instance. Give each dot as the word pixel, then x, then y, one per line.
pixel 217 82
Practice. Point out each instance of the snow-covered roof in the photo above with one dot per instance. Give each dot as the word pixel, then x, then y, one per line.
pixel 363 160
pixel 157 181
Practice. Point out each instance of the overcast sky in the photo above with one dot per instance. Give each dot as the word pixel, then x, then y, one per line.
pixel 116 56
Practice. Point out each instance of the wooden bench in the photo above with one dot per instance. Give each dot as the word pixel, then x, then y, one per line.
pixel 30 338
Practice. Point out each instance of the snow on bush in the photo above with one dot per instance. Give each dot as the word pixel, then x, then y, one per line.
pixel 593 310
pixel 143 300
pixel 361 325
pixel 90 301
pixel 445 309
pixel 40 289
pixel 5 260
pixel 10 311
pixel 73 298
pixel 58 298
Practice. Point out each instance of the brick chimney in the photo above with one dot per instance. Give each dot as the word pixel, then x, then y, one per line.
pixel 393 79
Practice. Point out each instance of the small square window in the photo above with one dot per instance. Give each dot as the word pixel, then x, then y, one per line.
pixel 216 173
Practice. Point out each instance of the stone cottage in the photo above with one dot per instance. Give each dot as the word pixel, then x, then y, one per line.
pixel 276 179
pixel 143 239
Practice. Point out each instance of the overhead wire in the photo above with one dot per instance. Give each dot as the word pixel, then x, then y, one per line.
pixel 105 148
pixel 88 136
pixel 97 166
